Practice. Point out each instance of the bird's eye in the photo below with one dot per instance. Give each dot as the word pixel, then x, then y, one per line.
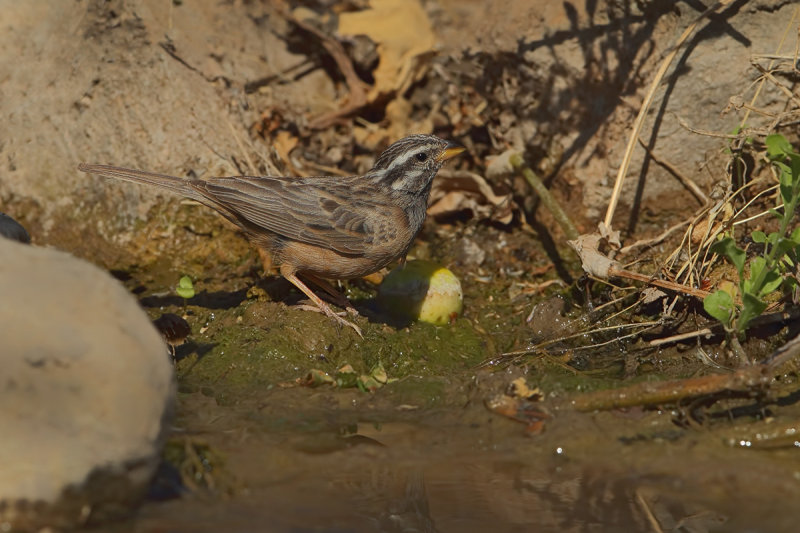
pixel 422 157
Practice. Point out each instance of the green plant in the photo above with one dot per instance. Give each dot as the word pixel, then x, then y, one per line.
pixel 776 266
pixel 185 288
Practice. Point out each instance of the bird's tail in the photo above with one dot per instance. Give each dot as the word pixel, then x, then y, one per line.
pixel 172 183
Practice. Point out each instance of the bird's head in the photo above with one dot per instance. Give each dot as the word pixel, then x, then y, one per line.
pixel 410 164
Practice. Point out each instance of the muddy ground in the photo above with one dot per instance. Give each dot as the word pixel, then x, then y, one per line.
pixel 445 442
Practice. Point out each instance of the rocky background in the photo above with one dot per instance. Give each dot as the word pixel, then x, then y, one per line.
pixel 217 88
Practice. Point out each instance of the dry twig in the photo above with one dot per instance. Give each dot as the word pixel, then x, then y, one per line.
pixel 357 97
pixel 544 195
pixel 748 380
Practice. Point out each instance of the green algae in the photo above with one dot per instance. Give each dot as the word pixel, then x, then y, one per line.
pixel 265 343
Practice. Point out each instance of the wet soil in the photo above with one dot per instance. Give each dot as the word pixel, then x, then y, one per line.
pixel 253 449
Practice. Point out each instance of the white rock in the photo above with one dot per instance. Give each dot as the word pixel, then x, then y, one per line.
pixel 85 389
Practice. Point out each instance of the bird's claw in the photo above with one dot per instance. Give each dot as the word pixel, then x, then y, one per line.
pixel 338 317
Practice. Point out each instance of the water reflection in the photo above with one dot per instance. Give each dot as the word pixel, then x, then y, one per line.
pixel 464 494
pixel 466 470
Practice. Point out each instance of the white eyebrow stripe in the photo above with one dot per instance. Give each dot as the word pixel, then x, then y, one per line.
pixel 400 160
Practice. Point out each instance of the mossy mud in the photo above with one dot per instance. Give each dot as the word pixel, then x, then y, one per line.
pixel 426 450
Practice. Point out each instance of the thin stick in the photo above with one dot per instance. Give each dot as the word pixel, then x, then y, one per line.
pixel 731 136
pixel 682 337
pixel 648 512
pixel 581 334
pixel 357 97
pixel 664 284
pixel 717 329
pixel 654 240
pixel 544 194
pixel 644 325
pixel 674 391
pixel 785 90
pixel 745 380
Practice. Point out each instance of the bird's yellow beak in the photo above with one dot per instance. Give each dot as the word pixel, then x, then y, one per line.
pixel 450 151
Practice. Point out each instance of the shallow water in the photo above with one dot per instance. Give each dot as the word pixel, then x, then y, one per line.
pixel 299 459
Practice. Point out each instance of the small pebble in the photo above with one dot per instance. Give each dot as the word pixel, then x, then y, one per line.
pixel 13 230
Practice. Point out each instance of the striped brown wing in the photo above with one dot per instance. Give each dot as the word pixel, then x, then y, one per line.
pixel 318 211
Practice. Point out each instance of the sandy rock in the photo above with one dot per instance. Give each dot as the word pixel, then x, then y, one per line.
pixel 177 88
pixel 85 391
pixel 140 83
pixel 576 73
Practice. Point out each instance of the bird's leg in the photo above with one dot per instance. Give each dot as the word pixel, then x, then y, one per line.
pixel 338 298
pixel 288 273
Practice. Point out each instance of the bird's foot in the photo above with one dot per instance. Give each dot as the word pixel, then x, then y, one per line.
pixel 349 324
pixel 287 273
pixel 315 309
pixel 338 317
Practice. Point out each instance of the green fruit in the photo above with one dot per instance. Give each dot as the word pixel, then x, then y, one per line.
pixel 422 290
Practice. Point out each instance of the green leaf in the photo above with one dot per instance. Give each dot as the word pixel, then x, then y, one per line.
pixel 185 293
pixel 316 377
pixel 783 246
pixel 787 188
pixel 379 373
pixel 778 146
pixel 368 383
pixel 751 308
pixel 794 159
pixel 757 265
pixel 726 246
pixel 346 377
pixel 185 288
pixel 782 167
pixel 772 282
pixel 759 236
pixel 768 278
pixel 719 304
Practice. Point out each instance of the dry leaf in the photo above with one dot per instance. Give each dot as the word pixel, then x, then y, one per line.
pixel 459 190
pixel 593 261
pixel 284 143
pixel 651 294
pixel 610 235
pixel 404 37
pixel 315 378
pixel 519 410
pixel 519 389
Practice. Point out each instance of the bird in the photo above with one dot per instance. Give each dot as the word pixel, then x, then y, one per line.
pixel 324 227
